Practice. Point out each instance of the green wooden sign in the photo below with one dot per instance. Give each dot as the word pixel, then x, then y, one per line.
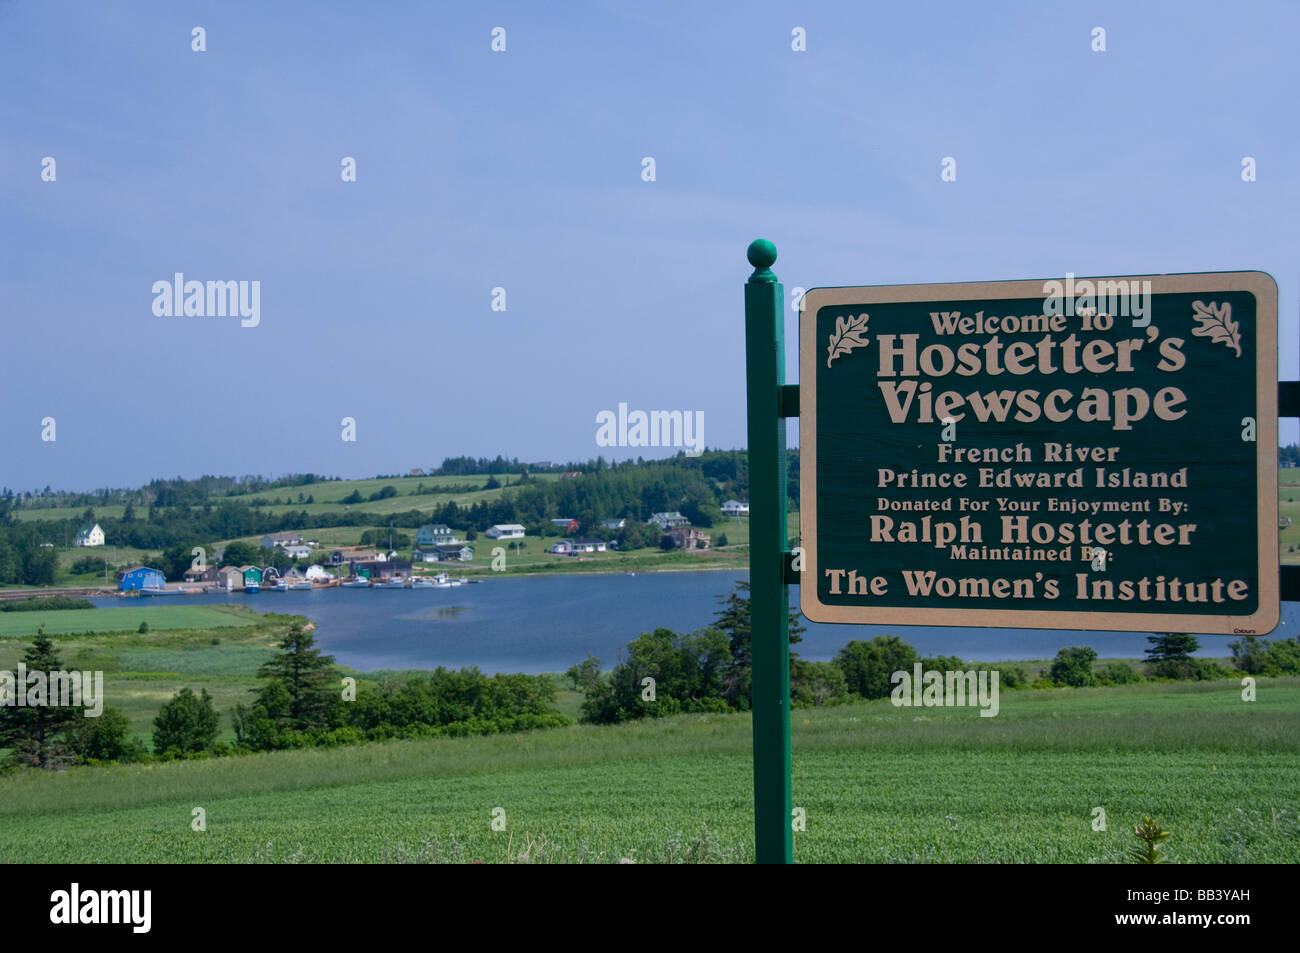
pixel 1074 453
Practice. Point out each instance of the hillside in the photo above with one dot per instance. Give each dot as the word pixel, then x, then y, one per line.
pixel 877 783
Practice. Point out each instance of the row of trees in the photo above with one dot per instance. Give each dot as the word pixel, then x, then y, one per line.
pixel 710 669
pixel 159 492
pixel 24 560
pixel 303 701
pixel 1171 656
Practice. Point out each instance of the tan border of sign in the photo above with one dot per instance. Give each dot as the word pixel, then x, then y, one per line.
pixel 1261 622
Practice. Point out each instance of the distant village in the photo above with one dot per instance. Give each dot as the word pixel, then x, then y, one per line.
pixel 361 566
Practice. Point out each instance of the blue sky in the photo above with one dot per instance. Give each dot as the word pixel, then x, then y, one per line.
pixel 522 170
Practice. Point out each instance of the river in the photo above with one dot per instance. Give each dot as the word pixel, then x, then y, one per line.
pixel 547 623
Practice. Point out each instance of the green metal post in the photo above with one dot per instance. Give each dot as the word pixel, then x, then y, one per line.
pixel 769 599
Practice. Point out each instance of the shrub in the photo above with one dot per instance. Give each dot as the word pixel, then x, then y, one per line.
pixel 1012 676
pixel 867 666
pixel 1206 670
pixel 144 628
pixel 86 565
pixel 45 603
pixel 1073 666
pixel 686 669
pixel 1117 673
pixel 1256 656
pixel 106 738
pixel 709 705
pixel 1250 654
pixel 816 683
pixel 187 723
pixel 1284 657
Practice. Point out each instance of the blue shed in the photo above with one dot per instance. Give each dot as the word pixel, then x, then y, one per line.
pixel 142 577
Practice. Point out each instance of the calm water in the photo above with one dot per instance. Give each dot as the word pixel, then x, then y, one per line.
pixel 547 623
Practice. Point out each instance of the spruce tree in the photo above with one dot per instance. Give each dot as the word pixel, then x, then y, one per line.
pixel 38 734
pixel 733 619
pixel 307 676
pixel 1170 654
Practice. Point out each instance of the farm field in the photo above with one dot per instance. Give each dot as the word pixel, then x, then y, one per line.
pixel 877 783
pixel 159 617
pixel 219 648
pixel 328 496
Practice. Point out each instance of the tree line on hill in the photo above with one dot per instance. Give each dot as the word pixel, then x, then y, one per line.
pixel 176 491
pixel 303 702
pixel 694 486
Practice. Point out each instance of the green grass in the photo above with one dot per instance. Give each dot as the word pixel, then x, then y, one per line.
pixel 327 497
pixel 124 619
pixel 878 783
pixel 116 512
pixel 143 670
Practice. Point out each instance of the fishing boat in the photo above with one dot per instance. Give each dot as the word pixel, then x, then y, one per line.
pixel 423 582
pixel 252 587
pixel 303 584
pixel 397 582
pixel 281 586
pixel 359 582
pixel 157 591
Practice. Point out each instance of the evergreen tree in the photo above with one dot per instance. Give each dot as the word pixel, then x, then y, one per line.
pixel 733 619
pixel 308 678
pixel 38 732
pixel 1170 654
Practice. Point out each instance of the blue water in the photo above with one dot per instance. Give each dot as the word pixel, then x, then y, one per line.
pixel 547 623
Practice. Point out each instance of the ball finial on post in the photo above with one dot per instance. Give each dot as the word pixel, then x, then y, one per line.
pixel 762 255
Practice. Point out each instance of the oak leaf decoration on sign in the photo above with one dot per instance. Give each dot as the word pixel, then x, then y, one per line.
pixel 1216 324
pixel 848 335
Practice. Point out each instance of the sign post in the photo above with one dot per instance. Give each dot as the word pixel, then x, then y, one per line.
pixel 1077 454
pixel 769 599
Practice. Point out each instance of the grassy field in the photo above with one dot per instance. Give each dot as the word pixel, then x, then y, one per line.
pixel 159 617
pixel 328 497
pixel 878 784
pixel 219 648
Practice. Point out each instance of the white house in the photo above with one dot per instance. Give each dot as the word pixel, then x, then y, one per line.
pixel 505 531
pixel 297 550
pixel 90 536
pixel 272 540
pixel 315 573
pixel 563 548
pixel 735 508
pixel 435 534
pixel 613 524
pixel 588 546
pixel 669 520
